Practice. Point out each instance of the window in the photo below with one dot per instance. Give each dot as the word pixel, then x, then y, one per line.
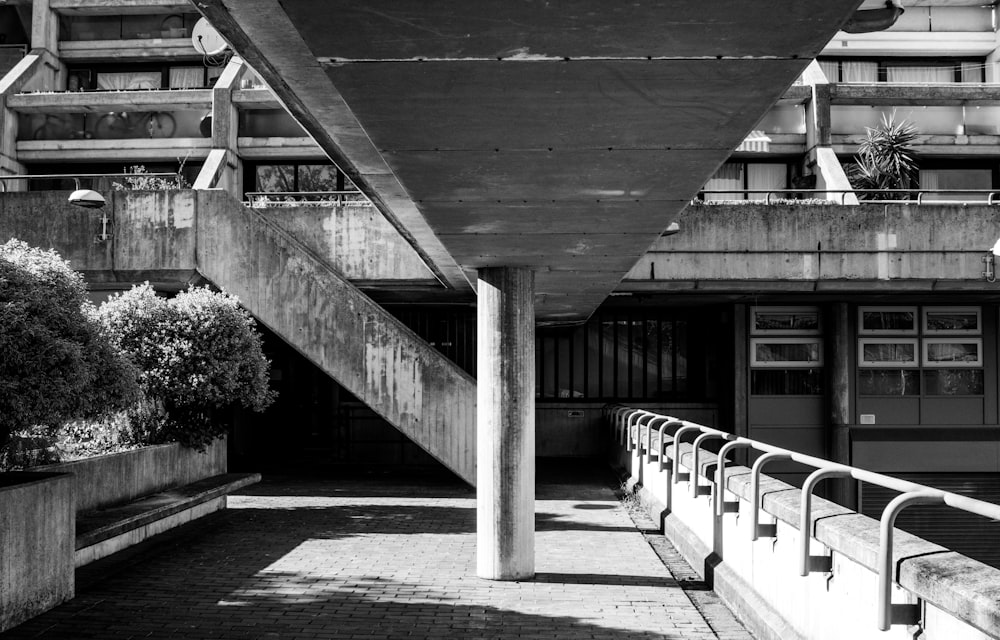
pixel 945 358
pixel 299 177
pixel 782 362
pixel 904 70
pixel 785 320
pixel 747 181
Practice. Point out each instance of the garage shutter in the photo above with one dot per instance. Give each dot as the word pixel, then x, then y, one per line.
pixel 972 535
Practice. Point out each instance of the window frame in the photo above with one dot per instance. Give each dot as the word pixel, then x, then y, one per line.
pixel 786 364
pixel 786 332
pixel 889 332
pixel 978 331
pixel 926 361
pixel 893 364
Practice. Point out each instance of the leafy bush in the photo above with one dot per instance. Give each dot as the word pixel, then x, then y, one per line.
pixel 198 354
pixel 55 364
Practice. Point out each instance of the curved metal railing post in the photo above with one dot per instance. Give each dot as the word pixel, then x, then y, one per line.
pixel 903 614
pixel 720 474
pixel 639 424
pixel 649 441
pixel 758 530
pixel 807 563
pixel 696 489
pixel 687 426
pixel 675 424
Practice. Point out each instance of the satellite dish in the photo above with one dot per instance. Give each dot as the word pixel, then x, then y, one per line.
pixel 206 39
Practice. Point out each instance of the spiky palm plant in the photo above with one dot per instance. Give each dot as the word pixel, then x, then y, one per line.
pixel 885 160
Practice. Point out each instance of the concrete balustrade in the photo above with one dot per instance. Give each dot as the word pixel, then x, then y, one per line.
pixel 956 597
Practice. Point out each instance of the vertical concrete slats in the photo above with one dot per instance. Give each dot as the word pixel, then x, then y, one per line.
pixel 360 345
pixel 505 418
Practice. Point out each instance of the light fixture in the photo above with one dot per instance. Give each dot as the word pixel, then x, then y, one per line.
pixel 674 228
pixel 869 20
pixel 990 263
pixel 86 198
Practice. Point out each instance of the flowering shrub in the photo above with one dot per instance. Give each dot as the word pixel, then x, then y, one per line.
pixel 55 364
pixel 197 353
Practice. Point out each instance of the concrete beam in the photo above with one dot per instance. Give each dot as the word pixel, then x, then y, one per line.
pixel 505 423
pixel 102 102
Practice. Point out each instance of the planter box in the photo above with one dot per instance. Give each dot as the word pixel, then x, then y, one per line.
pixel 37 540
pixel 121 477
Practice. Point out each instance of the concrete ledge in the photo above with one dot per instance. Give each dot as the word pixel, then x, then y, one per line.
pixel 128 538
pixel 105 531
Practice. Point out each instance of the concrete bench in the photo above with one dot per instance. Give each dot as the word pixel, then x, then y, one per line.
pixel 101 532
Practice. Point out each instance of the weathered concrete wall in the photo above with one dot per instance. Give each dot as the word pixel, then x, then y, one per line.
pixel 853 246
pixel 46 219
pixel 759 579
pixel 293 291
pixel 356 240
pixel 120 477
pixel 151 234
pixel 37 533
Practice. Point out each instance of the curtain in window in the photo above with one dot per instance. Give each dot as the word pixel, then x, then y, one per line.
pixel 729 178
pixel 972 72
pixel 128 81
pixel 920 75
pixel 763 176
pixel 186 77
pixel 957 179
pixel 831 69
pixel 859 71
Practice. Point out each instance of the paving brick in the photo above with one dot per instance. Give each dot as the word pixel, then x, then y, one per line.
pixel 387 558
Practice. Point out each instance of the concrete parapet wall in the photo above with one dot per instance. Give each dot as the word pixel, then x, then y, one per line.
pixel 825 243
pixel 959 597
pixel 356 240
pixel 152 235
pixel 37 533
pixel 121 477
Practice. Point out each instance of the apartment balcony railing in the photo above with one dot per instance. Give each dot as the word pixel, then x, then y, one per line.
pixel 839 196
pixel 263 199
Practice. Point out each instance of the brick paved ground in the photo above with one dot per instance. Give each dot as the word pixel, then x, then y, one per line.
pixel 383 558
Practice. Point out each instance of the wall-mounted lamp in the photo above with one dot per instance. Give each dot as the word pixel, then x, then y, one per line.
pixel 990 263
pixel 869 20
pixel 86 198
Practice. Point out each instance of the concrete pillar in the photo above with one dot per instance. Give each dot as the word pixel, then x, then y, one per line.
pixel 505 429
pixel 839 393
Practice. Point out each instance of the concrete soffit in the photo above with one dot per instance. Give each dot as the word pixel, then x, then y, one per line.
pixel 263 35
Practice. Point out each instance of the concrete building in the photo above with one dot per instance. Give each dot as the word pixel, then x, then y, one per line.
pixel 456 152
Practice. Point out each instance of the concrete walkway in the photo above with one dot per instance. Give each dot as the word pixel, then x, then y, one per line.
pixel 386 558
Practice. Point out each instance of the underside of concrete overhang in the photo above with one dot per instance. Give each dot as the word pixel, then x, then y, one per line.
pixel 562 136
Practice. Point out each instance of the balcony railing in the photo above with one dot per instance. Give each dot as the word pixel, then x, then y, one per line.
pixel 823 196
pixel 262 199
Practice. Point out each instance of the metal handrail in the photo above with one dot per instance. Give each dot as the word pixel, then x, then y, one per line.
pixel 280 196
pixel 913 196
pixel 83 176
pixel 913 493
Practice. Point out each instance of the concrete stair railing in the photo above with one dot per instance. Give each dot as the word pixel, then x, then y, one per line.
pixel 300 297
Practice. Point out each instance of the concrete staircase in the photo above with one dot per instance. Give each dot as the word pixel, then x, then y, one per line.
pixel 300 297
